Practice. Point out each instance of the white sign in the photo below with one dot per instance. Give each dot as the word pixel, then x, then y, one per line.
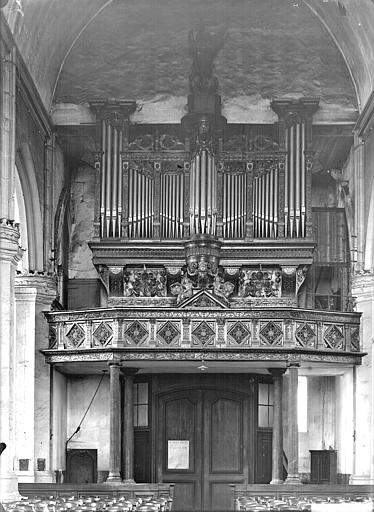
pixel 178 454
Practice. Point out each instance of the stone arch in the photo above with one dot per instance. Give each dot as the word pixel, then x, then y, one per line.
pixel 32 208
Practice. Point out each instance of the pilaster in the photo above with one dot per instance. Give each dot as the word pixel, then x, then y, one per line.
pixel 277 445
pixel 363 383
pixel 115 423
pixel 34 294
pixel 10 255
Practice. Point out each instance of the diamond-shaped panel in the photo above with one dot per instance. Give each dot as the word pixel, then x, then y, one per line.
pixel 136 332
pixel 168 333
pixel 355 339
pixel 203 334
pixel 305 335
pixel 75 336
pixel 239 333
pixel 52 336
pixel 102 335
pixel 334 337
pixel 271 334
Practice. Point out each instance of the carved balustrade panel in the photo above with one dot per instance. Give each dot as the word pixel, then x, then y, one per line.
pixel 215 327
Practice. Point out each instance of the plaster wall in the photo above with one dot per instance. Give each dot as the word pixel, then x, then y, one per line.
pixel 82 212
pixel 59 416
pixel 94 432
pixel 344 415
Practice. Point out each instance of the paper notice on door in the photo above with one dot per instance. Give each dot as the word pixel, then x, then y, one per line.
pixel 178 454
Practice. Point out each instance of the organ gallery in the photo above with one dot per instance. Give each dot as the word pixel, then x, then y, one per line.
pixel 186 251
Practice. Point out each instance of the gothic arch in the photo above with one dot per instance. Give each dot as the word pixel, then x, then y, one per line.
pixel 33 217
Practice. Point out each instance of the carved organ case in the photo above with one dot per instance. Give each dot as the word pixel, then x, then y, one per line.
pixel 204 204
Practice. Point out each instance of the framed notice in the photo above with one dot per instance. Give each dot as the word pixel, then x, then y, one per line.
pixel 178 454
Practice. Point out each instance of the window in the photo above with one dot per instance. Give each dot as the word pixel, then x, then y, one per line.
pixel 141 404
pixel 265 404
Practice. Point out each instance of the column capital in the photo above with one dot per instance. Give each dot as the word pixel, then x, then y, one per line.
pixel 277 372
pixel 9 237
pixel 129 372
pixel 114 363
pixel 44 285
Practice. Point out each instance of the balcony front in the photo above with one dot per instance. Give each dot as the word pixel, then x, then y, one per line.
pixel 203 328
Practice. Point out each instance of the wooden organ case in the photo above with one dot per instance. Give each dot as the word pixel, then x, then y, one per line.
pixel 203 204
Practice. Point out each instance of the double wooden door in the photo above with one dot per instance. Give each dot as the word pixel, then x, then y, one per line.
pixel 203 442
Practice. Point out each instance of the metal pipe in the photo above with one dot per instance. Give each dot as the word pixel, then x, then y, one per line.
pixel 286 187
pixel 292 179
pixel 267 200
pixel 181 211
pixel 103 177
pixel 254 207
pixel 108 180
pixel 271 203
pixel 120 183
pixel 276 194
pixel 298 172
pixel 114 185
pixel 303 181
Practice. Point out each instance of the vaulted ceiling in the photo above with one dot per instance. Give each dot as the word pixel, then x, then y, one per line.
pixel 77 50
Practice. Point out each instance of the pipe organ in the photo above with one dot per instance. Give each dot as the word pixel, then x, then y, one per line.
pixel 265 203
pixel 140 203
pixel 295 181
pixel 111 181
pixel 234 204
pixel 264 191
pixel 171 205
pixel 203 193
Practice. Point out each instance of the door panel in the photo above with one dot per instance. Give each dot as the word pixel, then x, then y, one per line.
pixel 180 417
pixel 226 436
pixel 215 424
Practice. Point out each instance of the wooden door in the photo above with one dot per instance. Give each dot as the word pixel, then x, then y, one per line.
pixel 202 446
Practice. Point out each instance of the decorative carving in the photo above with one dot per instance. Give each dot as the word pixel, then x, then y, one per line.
pixel 136 333
pixel 75 336
pixel 169 333
pixel 102 335
pixel 203 334
pixel 52 336
pixel 300 277
pixel 260 283
pixel 271 333
pixel 142 143
pixel 144 283
pixel 334 337
pixel 306 335
pixel 183 290
pixel 355 339
pixel 239 333
pixel 170 142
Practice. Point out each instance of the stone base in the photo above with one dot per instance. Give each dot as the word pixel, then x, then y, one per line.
pixel 277 482
pixel 361 480
pixel 113 479
pixel 9 488
pixel 44 477
pixel 293 480
pixel 129 481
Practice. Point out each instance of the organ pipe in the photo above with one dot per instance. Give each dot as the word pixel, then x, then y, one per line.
pixel 111 181
pixel 234 200
pixel 265 204
pixel 140 201
pixel 203 209
pixel 295 181
pixel 171 205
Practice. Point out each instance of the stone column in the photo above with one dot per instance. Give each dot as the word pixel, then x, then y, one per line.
pixel 293 432
pixel 10 255
pixel 277 446
pixel 128 426
pixel 34 294
pixel 363 383
pixel 115 423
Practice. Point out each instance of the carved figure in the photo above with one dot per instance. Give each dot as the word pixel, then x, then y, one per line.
pixel 183 290
pixel 203 48
pixel 145 283
pixel 260 283
pixel 222 288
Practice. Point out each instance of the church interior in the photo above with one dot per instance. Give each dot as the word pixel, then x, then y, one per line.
pixel 186 252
